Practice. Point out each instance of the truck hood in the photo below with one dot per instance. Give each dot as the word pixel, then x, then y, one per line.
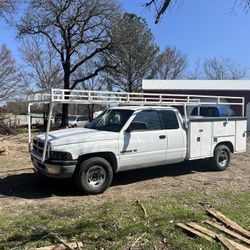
pixel 77 135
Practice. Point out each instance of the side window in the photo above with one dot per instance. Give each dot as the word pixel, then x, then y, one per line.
pixel 169 119
pixel 150 118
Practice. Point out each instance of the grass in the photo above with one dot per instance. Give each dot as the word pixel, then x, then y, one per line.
pixel 23 130
pixel 117 224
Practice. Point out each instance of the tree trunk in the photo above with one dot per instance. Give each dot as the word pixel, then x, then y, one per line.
pixel 130 87
pixel 45 116
pixel 65 107
pixel 130 82
pixel 90 111
pixel 65 113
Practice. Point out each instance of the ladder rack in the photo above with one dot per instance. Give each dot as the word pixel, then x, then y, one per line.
pixel 129 98
pixel 63 96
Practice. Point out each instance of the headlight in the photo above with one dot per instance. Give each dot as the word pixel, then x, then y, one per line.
pixel 60 156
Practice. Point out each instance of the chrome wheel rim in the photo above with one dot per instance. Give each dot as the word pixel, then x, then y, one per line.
pixel 222 158
pixel 95 176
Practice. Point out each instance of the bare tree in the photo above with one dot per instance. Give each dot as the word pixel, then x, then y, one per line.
pixel 78 30
pixel 17 107
pixel 244 4
pixel 197 72
pixel 43 68
pixel 217 69
pixel 10 82
pixel 7 7
pixel 9 77
pixel 223 68
pixel 42 64
pixel 134 52
pixel 170 64
pixel 95 83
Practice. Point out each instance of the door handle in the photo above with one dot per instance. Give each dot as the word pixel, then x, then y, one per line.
pixel 162 136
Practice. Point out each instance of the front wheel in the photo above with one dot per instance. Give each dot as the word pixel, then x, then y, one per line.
pixel 94 176
pixel 221 159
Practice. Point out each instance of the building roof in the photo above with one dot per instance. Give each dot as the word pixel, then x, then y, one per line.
pixel 231 85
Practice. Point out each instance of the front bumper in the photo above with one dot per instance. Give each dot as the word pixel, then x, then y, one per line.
pixel 54 169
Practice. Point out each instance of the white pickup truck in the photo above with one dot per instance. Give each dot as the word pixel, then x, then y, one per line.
pixel 125 138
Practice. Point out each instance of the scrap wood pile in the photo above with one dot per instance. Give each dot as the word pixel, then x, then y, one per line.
pixel 223 224
pixel 228 229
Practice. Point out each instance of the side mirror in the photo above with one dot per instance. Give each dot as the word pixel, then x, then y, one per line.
pixel 136 126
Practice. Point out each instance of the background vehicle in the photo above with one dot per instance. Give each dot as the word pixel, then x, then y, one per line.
pixel 77 121
pixel 97 113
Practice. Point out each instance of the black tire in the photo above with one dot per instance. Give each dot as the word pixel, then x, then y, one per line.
pixel 221 159
pixel 94 176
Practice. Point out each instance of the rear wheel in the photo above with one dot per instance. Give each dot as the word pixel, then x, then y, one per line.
pixel 94 176
pixel 221 159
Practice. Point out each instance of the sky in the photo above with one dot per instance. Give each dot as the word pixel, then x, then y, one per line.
pixel 199 28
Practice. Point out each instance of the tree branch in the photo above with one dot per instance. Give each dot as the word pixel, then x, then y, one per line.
pixel 162 10
pixel 85 59
pixel 91 75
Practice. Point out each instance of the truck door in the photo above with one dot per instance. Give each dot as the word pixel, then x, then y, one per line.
pixel 176 136
pixel 144 147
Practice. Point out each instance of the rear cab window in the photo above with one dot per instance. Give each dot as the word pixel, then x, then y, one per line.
pixel 168 119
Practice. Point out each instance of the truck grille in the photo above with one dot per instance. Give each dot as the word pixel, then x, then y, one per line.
pixel 38 146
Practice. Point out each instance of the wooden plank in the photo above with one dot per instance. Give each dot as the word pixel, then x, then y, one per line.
pixel 228 222
pixel 225 242
pixel 229 232
pixel 215 235
pixel 194 232
pixel 238 245
pixel 202 229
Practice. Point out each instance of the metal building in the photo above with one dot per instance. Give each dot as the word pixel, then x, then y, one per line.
pixel 236 88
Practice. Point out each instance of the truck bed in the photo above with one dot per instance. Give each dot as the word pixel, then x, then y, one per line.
pixel 204 133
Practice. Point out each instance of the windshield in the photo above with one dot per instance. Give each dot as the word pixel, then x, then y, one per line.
pixel 111 120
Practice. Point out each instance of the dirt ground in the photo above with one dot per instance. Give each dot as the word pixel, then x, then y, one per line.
pixel 21 187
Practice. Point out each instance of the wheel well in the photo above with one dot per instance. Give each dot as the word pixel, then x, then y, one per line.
pixel 109 156
pixel 228 144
